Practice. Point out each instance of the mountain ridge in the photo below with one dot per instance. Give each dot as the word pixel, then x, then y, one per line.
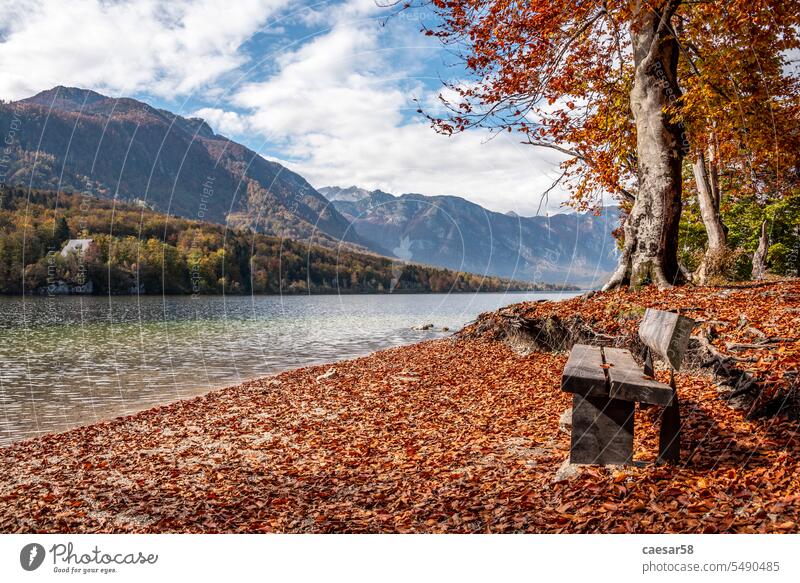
pixel 453 232
pixel 130 250
pixel 78 140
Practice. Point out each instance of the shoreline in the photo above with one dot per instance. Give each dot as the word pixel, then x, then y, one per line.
pixel 233 340
pixel 459 434
pixel 204 391
pixel 332 292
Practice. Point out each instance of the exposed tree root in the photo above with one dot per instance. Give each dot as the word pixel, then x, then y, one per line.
pixel 551 334
pixel 744 388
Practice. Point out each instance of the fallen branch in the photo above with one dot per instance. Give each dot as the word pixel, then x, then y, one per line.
pixel 764 343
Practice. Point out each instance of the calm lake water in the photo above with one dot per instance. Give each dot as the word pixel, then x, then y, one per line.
pixel 69 361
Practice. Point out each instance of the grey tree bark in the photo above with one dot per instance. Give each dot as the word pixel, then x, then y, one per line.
pixel 650 252
pixel 708 198
pixel 760 256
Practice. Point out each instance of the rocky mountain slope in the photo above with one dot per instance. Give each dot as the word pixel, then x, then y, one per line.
pixel 71 139
pixel 452 232
pixel 77 140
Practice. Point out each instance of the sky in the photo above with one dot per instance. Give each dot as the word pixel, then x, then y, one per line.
pixel 330 89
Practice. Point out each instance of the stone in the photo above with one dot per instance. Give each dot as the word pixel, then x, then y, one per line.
pixel 326 375
pixel 565 421
pixel 567 471
pixel 602 431
pixel 666 334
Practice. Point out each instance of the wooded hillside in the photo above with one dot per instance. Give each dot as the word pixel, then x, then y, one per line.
pixel 136 248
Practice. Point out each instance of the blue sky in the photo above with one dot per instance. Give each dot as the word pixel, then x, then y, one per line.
pixel 326 88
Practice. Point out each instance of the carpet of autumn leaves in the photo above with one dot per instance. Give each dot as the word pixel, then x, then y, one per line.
pixel 453 435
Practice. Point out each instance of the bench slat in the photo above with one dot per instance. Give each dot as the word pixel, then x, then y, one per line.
pixel 627 381
pixel 583 374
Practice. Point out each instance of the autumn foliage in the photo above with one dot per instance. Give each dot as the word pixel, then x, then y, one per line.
pixel 639 96
pixel 560 74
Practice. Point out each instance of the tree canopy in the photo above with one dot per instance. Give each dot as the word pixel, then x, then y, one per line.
pixel 560 74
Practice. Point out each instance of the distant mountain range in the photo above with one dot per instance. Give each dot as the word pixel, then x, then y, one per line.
pixel 77 140
pixel 452 232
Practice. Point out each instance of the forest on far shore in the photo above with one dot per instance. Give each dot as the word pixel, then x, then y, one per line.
pixel 137 250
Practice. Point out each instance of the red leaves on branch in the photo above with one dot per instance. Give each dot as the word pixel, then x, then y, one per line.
pixel 561 72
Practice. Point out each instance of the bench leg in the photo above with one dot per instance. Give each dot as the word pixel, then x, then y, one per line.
pixel 669 437
pixel 602 431
pixel 648 363
pixel 648 371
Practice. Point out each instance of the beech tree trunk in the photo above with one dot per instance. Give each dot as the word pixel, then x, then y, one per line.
pixel 650 252
pixel 708 198
pixel 760 256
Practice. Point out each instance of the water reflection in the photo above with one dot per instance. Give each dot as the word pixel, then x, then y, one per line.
pixel 69 361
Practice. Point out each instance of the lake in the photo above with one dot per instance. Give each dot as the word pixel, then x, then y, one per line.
pixel 69 361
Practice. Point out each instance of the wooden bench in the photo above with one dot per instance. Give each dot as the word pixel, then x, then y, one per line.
pixel 606 383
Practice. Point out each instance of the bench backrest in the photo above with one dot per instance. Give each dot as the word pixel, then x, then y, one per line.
pixel 666 334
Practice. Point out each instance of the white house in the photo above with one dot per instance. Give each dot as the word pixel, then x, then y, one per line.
pixel 77 245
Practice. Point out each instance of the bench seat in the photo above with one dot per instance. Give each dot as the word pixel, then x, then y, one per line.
pixel 584 374
pixel 606 383
pixel 629 383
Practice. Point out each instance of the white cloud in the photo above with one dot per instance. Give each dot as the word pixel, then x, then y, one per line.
pixel 164 48
pixel 227 123
pixel 339 106
pixel 500 174
pixel 331 83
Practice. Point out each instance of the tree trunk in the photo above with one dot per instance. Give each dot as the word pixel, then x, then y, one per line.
pixel 760 256
pixel 650 253
pixel 708 198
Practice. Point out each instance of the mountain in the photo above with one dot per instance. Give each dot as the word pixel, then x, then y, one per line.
pixel 448 231
pixel 352 194
pixel 77 140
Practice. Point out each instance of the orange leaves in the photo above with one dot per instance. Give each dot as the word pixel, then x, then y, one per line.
pixel 568 68
pixel 534 63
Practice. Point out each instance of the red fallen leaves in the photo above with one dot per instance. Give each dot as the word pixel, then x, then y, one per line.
pixel 472 445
